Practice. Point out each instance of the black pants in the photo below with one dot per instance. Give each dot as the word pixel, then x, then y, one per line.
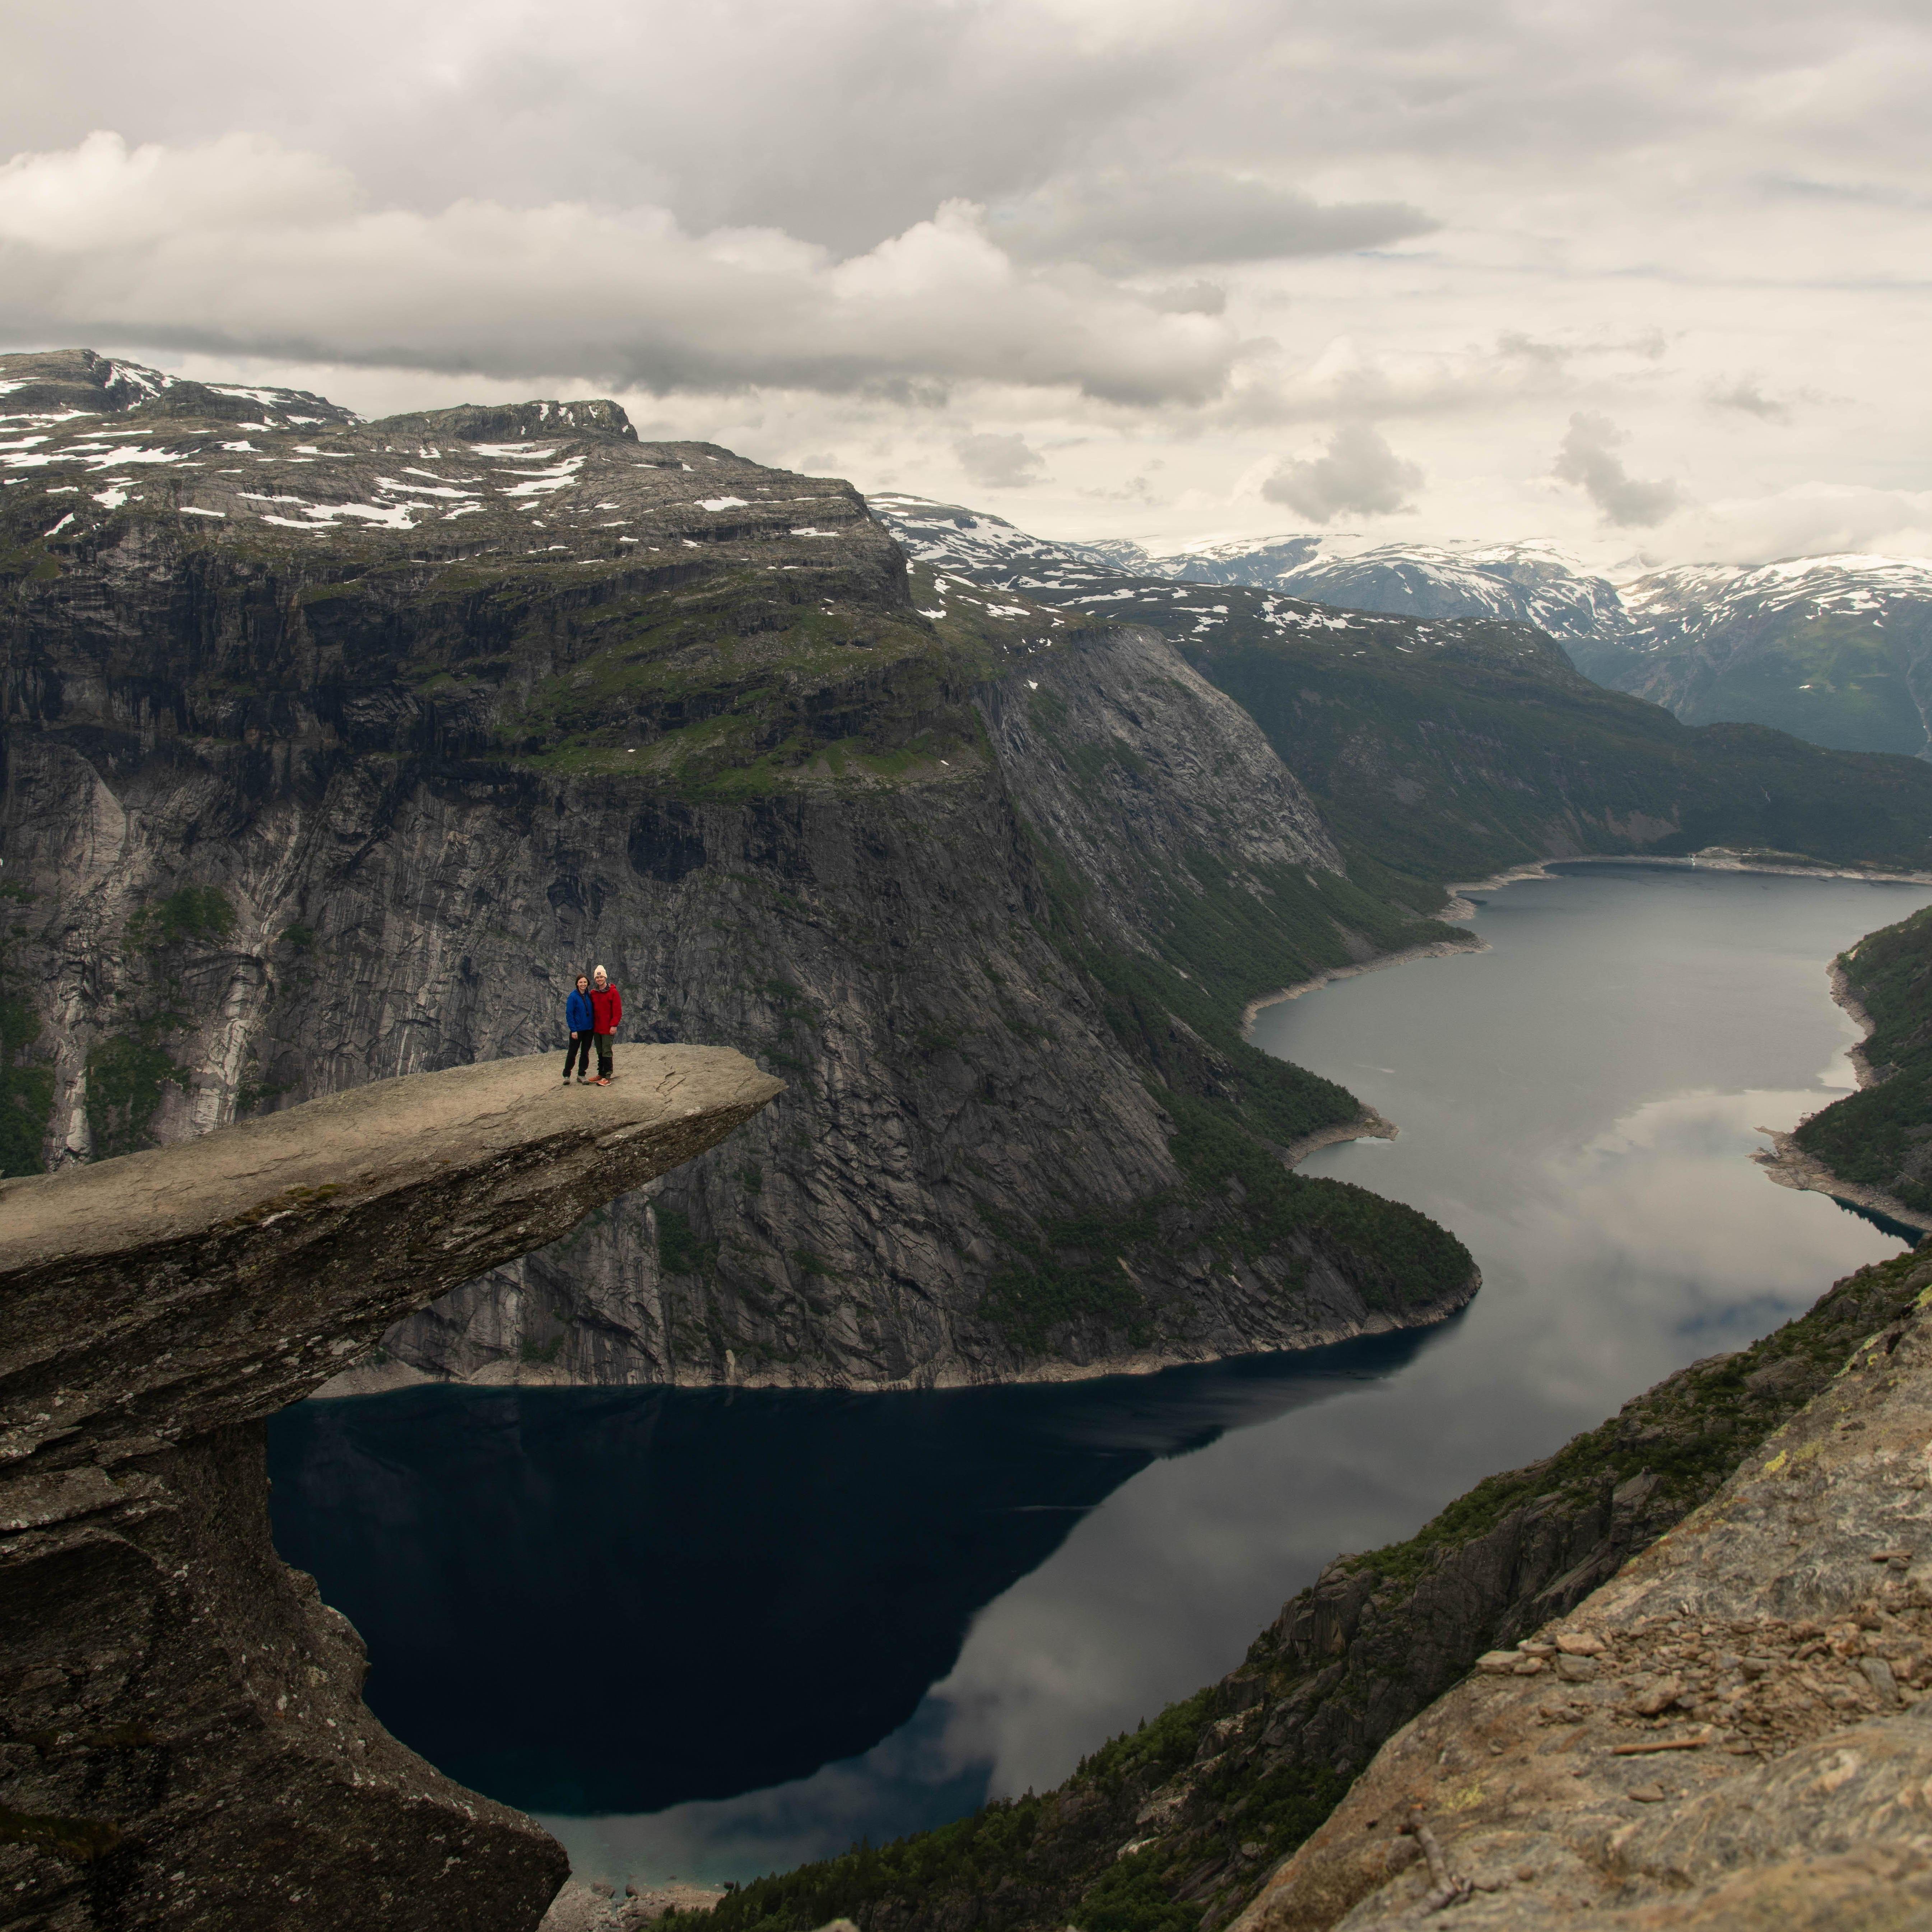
pixel 604 1042
pixel 578 1058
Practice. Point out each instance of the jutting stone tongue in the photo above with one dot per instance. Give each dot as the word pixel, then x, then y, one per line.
pixel 202 1755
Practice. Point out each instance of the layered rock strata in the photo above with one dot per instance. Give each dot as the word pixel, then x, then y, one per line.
pixel 182 1739
pixel 334 749
pixel 1730 1733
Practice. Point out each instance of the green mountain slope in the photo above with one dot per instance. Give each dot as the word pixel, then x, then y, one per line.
pixel 1836 650
pixel 1882 1136
pixel 1487 750
pixel 1443 748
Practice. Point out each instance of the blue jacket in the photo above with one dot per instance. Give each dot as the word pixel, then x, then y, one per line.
pixel 577 1012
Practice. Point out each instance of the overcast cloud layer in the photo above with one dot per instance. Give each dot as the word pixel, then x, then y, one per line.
pixel 1649 279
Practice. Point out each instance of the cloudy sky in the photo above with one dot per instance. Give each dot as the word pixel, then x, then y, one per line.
pixel 1649 278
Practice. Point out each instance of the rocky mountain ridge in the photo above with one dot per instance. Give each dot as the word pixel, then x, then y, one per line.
pixel 1836 650
pixel 331 755
pixel 1730 1733
pixel 1831 648
pixel 1453 748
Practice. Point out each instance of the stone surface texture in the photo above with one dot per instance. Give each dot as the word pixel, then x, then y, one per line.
pixel 1197 1809
pixel 183 1742
pixel 1733 1732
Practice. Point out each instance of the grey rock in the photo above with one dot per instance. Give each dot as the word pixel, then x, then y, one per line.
pixel 186 1743
pixel 303 670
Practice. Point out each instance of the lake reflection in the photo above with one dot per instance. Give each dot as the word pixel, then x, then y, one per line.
pixel 748 1629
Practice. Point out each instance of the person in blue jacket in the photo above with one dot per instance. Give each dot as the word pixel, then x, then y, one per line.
pixel 582 1024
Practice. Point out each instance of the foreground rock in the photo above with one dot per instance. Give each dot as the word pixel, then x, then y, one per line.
pixel 1181 1821
pixel 1730 1734
pixel 184 1741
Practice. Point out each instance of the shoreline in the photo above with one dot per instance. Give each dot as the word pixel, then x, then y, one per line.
pixel 1787 1164
pixel 1710 859
pixel 1435 948
pixel 361 1379
pixel 1368 1125
pixel 1783 1162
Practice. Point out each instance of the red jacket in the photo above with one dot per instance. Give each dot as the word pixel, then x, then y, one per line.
pixel 607 1009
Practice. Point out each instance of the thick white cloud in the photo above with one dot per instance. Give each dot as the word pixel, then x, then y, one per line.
pixel 1588 457
pixel 1357 472
pixel 1125 232
pixel 242 244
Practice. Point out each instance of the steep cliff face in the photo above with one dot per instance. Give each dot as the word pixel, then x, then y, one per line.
pixel 332 759
pixel 182 1740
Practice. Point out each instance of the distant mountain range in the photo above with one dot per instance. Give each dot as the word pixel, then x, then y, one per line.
pixel 1836 649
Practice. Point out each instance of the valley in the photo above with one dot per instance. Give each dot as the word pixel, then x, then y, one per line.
pixel 334 748
pixel 1832 649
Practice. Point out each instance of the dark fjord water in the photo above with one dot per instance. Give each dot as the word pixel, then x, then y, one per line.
pixel 711 1633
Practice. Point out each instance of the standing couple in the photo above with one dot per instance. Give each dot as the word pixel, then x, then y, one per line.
pixel 592 1012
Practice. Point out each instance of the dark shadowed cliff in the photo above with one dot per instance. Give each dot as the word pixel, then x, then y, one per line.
pixel 333 749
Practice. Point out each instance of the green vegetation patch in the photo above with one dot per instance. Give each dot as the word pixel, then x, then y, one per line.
pixel 1452 761
pixel 1073 1273
pixel 26 1091
pixel 1882 1136
pixel 190 914
pixel 125 1077
pixel 680 1250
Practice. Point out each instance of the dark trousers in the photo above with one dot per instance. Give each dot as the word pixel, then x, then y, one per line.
pixel 577 1059
pixel 604 1043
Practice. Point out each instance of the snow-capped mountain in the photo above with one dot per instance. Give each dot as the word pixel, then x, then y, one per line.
pixel 1698 598
pixel 988 550
pixel 962 547
pixel 1247 560
pixel 49 389
pixel 1838 649
pixel 1524 583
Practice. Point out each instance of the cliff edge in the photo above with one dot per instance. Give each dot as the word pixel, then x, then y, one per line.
pixel 184 1741
pixel 1731 1733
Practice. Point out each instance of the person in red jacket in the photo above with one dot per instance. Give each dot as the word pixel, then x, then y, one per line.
pixel 607 1015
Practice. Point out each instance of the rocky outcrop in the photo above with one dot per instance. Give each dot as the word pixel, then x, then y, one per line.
pixel 183 1742
pixel 1180 1822
pixel 1727 1735
pixel 331 753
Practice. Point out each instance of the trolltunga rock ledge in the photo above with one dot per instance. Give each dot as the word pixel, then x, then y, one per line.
pixel 183 1742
